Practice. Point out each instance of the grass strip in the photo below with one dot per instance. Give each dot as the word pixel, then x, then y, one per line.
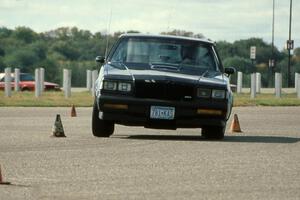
pixel 85 99
pixel 48 99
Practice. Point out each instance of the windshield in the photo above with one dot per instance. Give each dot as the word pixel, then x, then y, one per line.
pixel 164 51
pixel 26 77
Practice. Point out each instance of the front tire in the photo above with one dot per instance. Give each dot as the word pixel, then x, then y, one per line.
pixel 213 132
pixel 101 128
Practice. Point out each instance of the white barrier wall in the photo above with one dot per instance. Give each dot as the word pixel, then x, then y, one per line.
pixel 296 81
pixel 239 82
pixel 42 79
pixel 258 82
pixel 89 80
pixel 37 79
pixel 7 82
pixel 298 85
pixel 253 86
pixel 278 84
pixel 94 78
pixel 67 82
pixel 17 79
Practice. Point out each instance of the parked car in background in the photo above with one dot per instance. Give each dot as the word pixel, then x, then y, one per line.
pixel 164 82
pixel 27 83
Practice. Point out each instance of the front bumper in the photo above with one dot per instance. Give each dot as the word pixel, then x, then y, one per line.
pixel 136 112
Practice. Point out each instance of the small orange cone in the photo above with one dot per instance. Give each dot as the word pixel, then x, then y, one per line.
pixel 73 111
pixel 235 125
pixel 1 179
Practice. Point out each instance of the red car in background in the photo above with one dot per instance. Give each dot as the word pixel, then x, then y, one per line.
pixel 27 83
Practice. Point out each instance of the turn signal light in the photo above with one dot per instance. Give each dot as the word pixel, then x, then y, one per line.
pixel 209 112
pixel 116 106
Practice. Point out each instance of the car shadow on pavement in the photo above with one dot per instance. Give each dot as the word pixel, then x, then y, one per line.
pixel 241 139
pixel 164 137
pixel 261 139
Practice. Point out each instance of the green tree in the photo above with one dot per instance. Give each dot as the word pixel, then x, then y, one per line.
pixel 178 32
pixel 25 34
pixel 226 49
pixel 296 56
pixel 40 49
pixel 52 70
pixel 242 65
pixel 2 52
pixel 5 32
pixel 25 59
pixel 2 64
pixel 66 49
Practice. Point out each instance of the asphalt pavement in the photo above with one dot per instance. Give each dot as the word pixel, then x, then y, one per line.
pixel 262 162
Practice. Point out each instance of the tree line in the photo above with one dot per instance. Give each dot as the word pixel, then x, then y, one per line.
pixel 75 49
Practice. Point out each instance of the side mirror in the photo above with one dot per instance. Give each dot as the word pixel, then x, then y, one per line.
pixel 229 70
pixel 100 59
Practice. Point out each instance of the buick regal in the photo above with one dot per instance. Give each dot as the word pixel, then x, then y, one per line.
pixel 164 82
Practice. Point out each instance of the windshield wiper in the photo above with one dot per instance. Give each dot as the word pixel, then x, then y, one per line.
pixel 205 73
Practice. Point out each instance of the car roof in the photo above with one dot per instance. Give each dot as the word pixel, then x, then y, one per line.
pixel 205 40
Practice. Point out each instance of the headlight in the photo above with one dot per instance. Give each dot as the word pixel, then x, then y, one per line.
pixel 218 94
pixel 124 87
pixel 110 85
pixel 116 86
pixel 203 93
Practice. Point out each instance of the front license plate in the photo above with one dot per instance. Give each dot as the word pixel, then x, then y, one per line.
pixel 162 112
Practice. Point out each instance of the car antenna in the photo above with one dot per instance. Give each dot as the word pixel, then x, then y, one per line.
pixel 107 33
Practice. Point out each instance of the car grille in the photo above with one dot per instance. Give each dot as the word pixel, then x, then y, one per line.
pixel 164 90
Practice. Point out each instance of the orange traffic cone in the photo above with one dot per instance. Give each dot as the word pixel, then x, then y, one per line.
pixel 73 111
pixel 1 179
pixel 235 125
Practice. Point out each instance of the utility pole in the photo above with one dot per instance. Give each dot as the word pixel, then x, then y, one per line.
pixel 272 60
pixel 273 20
pixel 290 46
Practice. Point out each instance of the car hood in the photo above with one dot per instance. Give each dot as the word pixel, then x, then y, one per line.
pixel 133 72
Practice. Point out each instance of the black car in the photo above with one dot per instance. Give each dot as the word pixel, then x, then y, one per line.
pixel 164 82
